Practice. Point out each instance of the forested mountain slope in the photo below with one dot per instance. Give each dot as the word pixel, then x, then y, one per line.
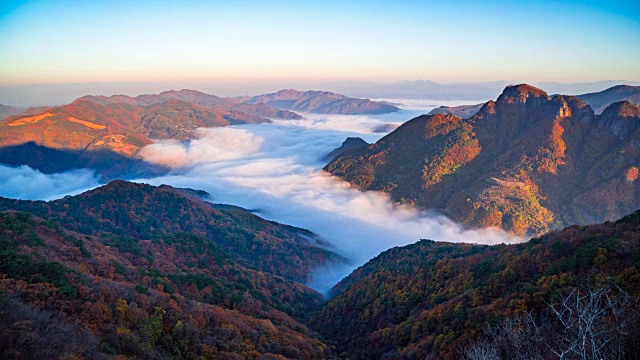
pixel 436 298
pixel 144 212
pixel 65 294
pixel 526 163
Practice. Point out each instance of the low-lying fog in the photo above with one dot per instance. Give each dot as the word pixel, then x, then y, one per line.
pixel 276 170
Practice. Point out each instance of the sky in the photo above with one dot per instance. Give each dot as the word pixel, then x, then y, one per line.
pixel 111 41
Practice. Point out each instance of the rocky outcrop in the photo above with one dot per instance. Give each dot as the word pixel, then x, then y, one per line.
pixel 571 166
pixel 351 143
pixel 462 111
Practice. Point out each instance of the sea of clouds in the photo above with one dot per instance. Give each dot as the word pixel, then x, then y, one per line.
pixel 276 171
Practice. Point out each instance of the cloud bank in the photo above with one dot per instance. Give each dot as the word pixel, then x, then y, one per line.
pixel 275 169
pixel 24 182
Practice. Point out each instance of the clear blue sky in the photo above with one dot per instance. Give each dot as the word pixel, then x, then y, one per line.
pixel 81 41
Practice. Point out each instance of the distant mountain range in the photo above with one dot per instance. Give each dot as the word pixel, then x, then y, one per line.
pixel 124 124
pixel 600 100
pixel 57 94
pixel 320 102
pixel 8 111
pixel 526 163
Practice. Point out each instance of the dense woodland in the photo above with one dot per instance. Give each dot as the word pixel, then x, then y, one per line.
pixel 71 295
pixel 99 275
pixel 436 299
pixel 141 212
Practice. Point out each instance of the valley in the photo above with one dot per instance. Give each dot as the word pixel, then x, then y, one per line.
pixel 347 277
pixel 319 180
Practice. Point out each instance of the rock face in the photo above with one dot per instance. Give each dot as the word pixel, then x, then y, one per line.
pixel 526 163
pixel 599 101
pixel 321 102
pixel 351 143
pixel 621 119
pixel 462 111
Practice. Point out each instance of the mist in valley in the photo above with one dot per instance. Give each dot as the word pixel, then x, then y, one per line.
pixel 276 171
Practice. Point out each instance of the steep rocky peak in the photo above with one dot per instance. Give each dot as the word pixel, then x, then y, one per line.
pixel 575 107
pixel 622 119
pixel 522 94
pixel 623 109
pixel 488 108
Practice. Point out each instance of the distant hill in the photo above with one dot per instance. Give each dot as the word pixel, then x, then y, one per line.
pixel 320 102
pixel 600 100
pixel 123 125
pixel 201 99
pixel 118 124
pixel 93 295
pixel 433 299
pixel 462 111
pixel 526 163
pixel 8 111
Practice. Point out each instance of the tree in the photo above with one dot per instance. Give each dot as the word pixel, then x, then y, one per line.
pixel 595 323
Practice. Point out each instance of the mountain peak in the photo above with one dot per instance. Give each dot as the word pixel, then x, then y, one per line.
pixel 622 108
pixel 116 186
pixel 321 102
pixel 621 118
pixel 183 91
pixel 522 93
pixel 491 169
pixel 288 91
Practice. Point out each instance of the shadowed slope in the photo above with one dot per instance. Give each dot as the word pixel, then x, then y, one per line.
pixel 108 164
pixel 601 100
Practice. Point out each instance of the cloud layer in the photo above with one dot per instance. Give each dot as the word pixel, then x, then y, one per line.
pixel 26 183
pixel 275 170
